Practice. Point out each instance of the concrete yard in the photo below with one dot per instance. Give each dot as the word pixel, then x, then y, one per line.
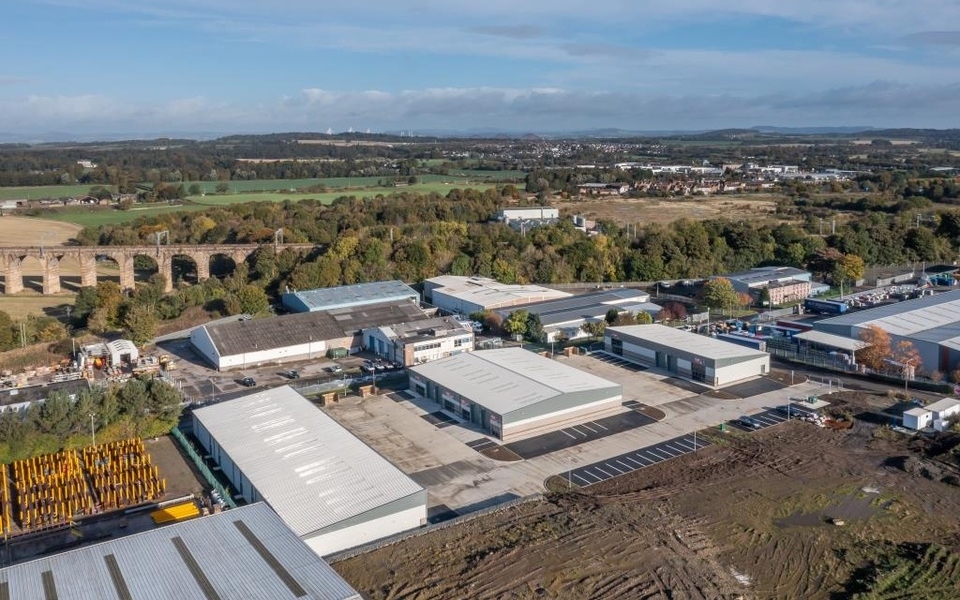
pixel 461 479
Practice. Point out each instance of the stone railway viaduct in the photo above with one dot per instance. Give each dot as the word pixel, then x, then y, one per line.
pixel 50 257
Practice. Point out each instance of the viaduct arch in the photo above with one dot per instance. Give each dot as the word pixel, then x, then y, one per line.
pixel 11 261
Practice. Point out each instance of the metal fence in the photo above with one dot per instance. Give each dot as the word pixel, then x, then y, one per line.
pixel 201 465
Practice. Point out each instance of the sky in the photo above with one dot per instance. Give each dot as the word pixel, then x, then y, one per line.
pixel 199 67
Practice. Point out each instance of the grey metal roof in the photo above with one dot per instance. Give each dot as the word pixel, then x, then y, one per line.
pixel 427 329
pixel 831 340
pixel 509 379
pixel 593 305
pixel 243 553
pixel 694 343
pixel 907 318
pixel 305 465
pixel 301 328
pixel 490 293
pixel 765 274
pixel 354 295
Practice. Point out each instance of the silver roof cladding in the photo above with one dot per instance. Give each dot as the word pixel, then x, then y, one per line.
pixel 723 353
pixel 350 295
pixel 511 379
pixel 304 464
pixel 151 567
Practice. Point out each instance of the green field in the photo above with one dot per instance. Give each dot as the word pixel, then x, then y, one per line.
pixel 461 178
pixel 89 217
pixel 46 191
pixel 329 197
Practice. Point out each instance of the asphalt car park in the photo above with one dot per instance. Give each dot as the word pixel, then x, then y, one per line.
pixel 767 418
pixel 618 361
pixel 754 387
pixel 439 419
pixel 632 461
pixel 575 435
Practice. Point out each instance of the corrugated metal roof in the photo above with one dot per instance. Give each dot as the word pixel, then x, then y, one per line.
pixel 905 318
pixel 509 379
pixel 593 305
pixel 150 566
pixel 305 465
pixel 695 343
pixel 766 274
pixel 833 341
pixel 237 337
pixel 355 295
pixel 942 405
pixel 490 293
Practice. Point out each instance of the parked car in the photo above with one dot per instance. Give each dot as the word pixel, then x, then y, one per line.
pixel 292 374
pixel 248 381
pixel 335 369
pixel 749 422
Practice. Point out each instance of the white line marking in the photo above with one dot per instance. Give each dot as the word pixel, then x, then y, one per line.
pixel 565 432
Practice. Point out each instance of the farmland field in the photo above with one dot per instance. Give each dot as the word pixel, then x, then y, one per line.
pixel 94 217
pixel 328 197
pixel 46 191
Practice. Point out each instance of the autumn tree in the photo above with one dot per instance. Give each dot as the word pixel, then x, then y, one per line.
pixel 673 311
pixel 877 349
pixel 643 318
pixel 595 328
pixel 908 357
pixel 516 323
pixel 719 293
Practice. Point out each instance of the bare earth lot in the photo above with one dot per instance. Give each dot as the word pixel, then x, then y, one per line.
pixel 667 210
pixel 748 517
pixel 28 231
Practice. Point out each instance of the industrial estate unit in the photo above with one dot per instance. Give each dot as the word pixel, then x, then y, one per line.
pixel 512 393
pixel 689 355
pixel 467 295
pixel 420 341
pixel 930 323
pixel 300 336
pixel 246 552
pixel 346 296
pixel 333 490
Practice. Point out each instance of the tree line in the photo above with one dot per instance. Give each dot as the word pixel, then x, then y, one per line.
pixel 139 408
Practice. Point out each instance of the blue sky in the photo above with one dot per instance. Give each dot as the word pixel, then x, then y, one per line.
pixel 142 67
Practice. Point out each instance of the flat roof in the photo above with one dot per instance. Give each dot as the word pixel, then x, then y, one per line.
pixel 942 405
pixel 765 274
pixel 354 295
pixel 237 337
pixel 907 318
pixel 831 340
pixel 916 412
pixel 490 293
pixel 694 343
pixel 304 464
pixel 508 379
pixel 435 328
pixel 592 305
pixel 246 552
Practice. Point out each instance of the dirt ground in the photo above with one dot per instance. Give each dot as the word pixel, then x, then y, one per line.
pixel 174 467
pixel 28 231
pixel 666 210
pixel 793 511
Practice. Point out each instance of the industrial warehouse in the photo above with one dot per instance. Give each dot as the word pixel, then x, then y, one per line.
pixel 333 490
pixel 512 393
pixel 419 342
pixel 689 355
pixel 930 323
pixel 246 552
pixel 467 295
pixel 346 296
pixel 301 336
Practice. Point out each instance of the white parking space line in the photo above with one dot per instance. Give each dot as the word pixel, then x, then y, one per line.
pixel 609 475
pixel 685 445
pixel 653 458
pixel 585 482
pixel 676 447
pixel 614 467
pixel 646 460
pixel 660 452
pixel 600 426
pixel 568 433
pixel 638 463
pixel 626 466
pixel 582 476
pixel 585 426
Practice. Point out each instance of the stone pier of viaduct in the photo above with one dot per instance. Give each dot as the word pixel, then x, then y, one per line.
pixel 50 257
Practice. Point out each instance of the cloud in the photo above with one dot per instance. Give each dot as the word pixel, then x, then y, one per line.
pixel 933 38
pixel 605 51
pixel 517 32
pixel 518 109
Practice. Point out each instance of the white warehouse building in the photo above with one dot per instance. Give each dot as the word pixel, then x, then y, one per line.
pixel 689 355
pixel 512 393
pixel 330 488
pixel 467 295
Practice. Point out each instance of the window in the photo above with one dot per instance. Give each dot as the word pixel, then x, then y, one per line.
pixel 616 346
pixel 460 342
